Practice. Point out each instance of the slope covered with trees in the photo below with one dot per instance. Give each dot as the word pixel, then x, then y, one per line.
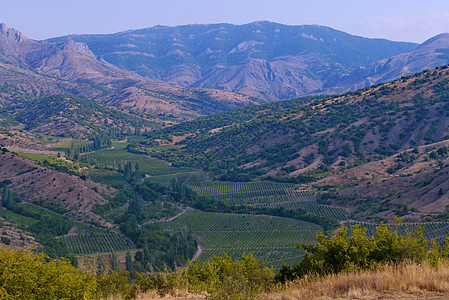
pixel 378 136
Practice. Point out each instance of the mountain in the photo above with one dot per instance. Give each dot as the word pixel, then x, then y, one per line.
pixel 262 59
pixel 431 54
pixel 385 146
pixel 40 68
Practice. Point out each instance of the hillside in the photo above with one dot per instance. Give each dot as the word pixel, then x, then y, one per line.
pixel 68 116
pixel 262 59
pixel 376 149
pixel 34 182
pixel 41 69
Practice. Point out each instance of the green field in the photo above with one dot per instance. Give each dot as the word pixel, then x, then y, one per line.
pixel 185 177
pixel 270 238
pixel 91 243
pixel 117 156
pixel 109 177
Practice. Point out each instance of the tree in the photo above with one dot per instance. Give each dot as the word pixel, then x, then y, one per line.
pixel 129 263
pixel 114 261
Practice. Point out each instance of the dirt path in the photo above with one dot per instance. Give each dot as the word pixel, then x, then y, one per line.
pixel 168 219
pixel 199 252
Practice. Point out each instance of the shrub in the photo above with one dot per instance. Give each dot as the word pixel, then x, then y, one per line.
pixel 353 250
pixel 224 278
pixel 28 275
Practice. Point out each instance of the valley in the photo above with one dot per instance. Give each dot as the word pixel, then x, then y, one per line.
pixel 148 151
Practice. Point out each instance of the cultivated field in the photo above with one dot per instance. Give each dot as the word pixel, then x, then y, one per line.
pixel 270 238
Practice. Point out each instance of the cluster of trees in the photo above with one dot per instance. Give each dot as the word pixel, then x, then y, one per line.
pixel 149 201
pixel 101 141
pixel 28 275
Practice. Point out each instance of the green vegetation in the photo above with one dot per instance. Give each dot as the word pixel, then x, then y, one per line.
pixel 272 239
pixel 117 159
pixel 431 230
pixel 96 243
pixel 353 128
pixel 46 224
pixel 354 250
pixel 25 275
pixel 54 162
pixel 265 194
pixel 34 275
pixel 77 117
pixel 224 278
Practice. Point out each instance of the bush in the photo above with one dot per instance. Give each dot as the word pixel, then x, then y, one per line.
pixel 27 275
pixel 354 250
pixel 224 278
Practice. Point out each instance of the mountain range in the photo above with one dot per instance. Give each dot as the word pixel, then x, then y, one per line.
pixel 267 60
pixel 101 135
pixel 40 68
pixel 192 70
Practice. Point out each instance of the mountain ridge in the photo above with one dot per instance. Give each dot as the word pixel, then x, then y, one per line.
pixel 251 58
pixel 429 55
pixel 44 69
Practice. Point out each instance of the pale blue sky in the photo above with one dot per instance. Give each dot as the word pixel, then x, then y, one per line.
pixel 401 20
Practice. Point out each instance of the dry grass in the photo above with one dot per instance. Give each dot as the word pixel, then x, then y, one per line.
pixel 409 280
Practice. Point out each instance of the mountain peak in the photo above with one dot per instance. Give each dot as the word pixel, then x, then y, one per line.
pixel 438 41
pixel 71 46
pixel 12 33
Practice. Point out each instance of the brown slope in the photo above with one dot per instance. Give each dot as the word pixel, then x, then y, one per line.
pixel 290 77
pixel 33 182
pixel 422 185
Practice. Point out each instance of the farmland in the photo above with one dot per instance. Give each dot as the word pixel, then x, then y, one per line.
pixel 90 243
pixel 257 194
pixel 115 158
pixel 270 238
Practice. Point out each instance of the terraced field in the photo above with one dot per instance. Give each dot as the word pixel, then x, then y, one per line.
pixel 270 238
pixel 90 243
pixel 256 194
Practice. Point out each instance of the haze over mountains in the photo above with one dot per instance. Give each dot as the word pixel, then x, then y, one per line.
pixel 265 60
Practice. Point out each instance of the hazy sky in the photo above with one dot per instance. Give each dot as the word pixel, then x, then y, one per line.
pixel 401 20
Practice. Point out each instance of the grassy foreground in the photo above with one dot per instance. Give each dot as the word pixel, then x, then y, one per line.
pixel 407 280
